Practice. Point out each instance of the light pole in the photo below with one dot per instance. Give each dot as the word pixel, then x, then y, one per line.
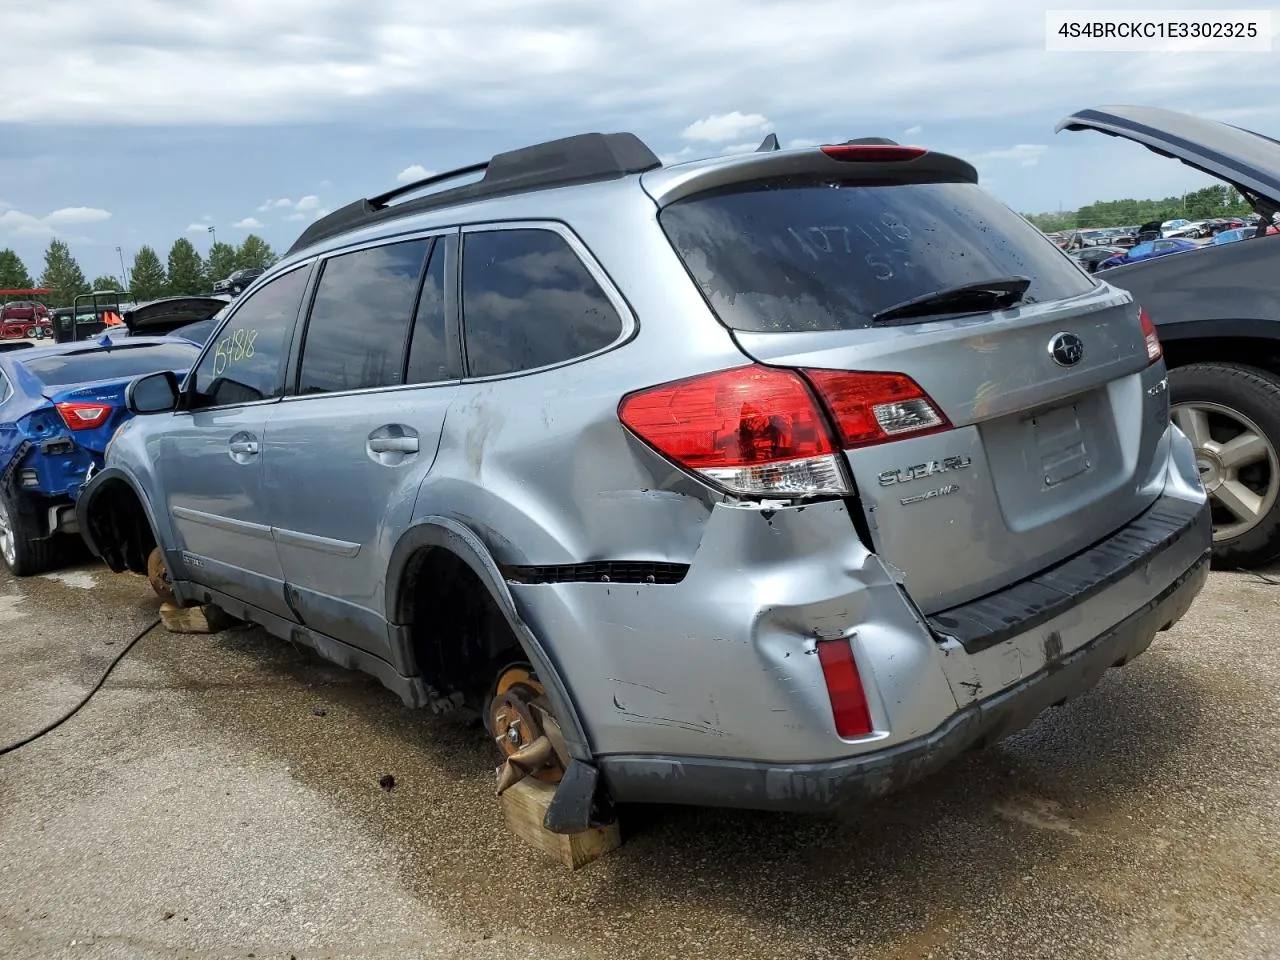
pixel 213 233
pixel 124 274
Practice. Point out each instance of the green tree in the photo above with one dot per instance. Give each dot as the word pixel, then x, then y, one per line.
pixel 105 282
pixel 254 252
pixel 222 261
pixel 62 275
pixel 186 269
pixel 149 281
pixel 13 272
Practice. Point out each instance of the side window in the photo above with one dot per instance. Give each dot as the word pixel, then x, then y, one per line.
pixel 360 319
pixel 4 388
pixel 528 301
pixel 432 355
pixel 245 362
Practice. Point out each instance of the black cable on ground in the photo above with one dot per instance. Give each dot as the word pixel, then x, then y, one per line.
pixel 87 697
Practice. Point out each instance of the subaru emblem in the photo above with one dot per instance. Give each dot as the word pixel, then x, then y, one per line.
pixel 1066 349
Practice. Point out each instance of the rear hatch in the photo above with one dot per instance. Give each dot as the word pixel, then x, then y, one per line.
pixel 1023 434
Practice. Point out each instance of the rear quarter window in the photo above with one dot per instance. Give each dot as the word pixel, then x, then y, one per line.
pixel 802 256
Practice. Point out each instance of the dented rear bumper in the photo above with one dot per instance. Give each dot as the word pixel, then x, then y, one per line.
pixel 818 787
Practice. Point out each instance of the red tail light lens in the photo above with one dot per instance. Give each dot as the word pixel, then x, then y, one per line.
pixel 844 687
pixel 872 152
pixel 871 408
pixel 1149 336
pixel 84 416
pixel 754 430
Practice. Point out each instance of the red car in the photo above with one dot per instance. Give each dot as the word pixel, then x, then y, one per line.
pixel 21 319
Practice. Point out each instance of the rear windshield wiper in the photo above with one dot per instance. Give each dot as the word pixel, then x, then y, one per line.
pixel 995 294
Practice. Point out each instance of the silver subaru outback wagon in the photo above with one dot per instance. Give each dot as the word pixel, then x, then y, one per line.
pixel 770 481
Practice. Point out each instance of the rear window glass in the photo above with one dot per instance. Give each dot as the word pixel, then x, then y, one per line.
pixel 119 363
pixel 796 257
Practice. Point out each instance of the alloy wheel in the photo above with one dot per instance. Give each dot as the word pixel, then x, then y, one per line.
pixel 8 543
pixel 1238 465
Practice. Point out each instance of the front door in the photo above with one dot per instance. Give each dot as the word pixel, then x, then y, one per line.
pixel 210 464
pixel 346 453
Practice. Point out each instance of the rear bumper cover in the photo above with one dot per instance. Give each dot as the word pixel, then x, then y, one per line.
pixel 817 787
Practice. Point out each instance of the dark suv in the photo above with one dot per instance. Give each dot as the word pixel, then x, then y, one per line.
pixel 1218 312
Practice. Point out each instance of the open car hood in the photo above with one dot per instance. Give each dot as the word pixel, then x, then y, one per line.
pixel 1248 161
pixel 162 316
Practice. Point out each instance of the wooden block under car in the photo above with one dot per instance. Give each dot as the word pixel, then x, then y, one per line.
pixel 205 618
pixel 525 805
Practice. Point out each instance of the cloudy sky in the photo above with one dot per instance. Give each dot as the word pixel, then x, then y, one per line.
pixel 124 122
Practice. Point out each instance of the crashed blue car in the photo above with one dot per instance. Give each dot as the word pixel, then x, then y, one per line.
pixel 59 408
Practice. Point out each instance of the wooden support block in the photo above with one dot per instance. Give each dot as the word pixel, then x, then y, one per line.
pixel 206 618
pixel 525 805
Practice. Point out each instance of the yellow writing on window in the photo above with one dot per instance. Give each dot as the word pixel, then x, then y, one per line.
pixel 233 349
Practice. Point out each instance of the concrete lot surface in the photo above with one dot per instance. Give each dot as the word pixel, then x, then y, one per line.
pixel 200 806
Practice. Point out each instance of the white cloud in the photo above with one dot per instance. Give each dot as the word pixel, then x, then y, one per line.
pixel 740 148
pixel 283 202
pixel 415 171
pixel 326 183
pixel 17 223
pixel 77 215
pixel 913 131
pixel 200 227
pixel 720 127
pixel 801 142
pixel 1022 155
pixel 296 216
pixel 309 202
pixel 322 212
pixel 248 223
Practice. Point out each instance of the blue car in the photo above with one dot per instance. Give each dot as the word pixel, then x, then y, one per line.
pixel 1236 234
pixel 59 407
pixel 1149 250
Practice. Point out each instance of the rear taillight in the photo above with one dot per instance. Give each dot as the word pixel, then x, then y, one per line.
pixel 1149 336
pixel 754 430
pixel 870 408
pixel 84 416
pixel 761 431
pixel 872 152
pixel 844 687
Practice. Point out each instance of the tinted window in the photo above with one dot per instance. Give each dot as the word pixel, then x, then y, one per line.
pixel 432 356
pixel 528 301
pixel 245 362
pixel 829 256
pixel 360 319
pixel 118 363
pixel 198 332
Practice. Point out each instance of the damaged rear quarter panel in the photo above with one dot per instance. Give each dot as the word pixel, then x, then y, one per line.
pixel 723 664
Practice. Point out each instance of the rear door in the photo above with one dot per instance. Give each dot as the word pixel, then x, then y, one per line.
pixel 346 452
pixel 210 462
pixel 1043 438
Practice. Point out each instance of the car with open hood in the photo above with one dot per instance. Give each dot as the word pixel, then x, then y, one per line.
pixel 1217 309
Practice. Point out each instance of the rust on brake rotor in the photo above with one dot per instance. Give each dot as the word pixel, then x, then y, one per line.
pixel 516 715
pixel 158 574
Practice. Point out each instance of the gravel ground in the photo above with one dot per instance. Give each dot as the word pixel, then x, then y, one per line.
pixel 219 798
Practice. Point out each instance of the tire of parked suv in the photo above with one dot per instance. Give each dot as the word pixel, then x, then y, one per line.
pixel 23 552
pixel 1251 397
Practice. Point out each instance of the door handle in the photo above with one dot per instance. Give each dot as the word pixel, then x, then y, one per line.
pixel 394 444
pixel 248 448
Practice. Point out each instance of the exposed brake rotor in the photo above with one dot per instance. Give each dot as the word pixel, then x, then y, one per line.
pixel 158 575
pixel 524 729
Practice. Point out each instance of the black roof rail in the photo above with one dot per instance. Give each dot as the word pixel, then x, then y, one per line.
pixel 382 199
pixel 585 158
pixel 769 145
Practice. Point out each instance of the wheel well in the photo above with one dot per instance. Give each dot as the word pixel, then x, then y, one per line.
pixel 1260 352
pixel 119 527
pixel 460 636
